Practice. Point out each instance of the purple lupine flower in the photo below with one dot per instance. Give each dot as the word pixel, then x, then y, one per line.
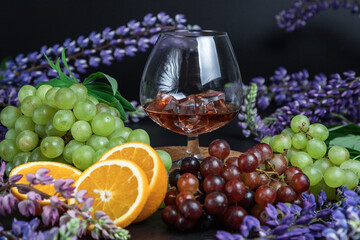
pixel 40 177
pixel 28 206
pixel 50 214
pixel 320 99
pixel 249 223
pixel 15 178
pixel 8 204
pixel 304 10
pixel 64 188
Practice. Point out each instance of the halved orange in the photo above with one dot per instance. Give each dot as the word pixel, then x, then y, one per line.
pixel 148 159
pixel 57 171
pixel 120 188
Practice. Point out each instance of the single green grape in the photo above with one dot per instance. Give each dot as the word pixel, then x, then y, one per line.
pixel 70 148
pixel 20 158
pixel 301 159
pixel 83 157
pixel 288 131
pixel 103 124
pixel 102 107
pixel 115 141
pixel 319 131
pixel 165 158
pixel 26 90
pixel 329 191
pixel 97 142
pixel 50 97
pixel 139 135
pixel 314 174
pixel 24 123
pixel 42 114
pixel 52 147
pixel 42 90
pixel 121 132
pixel 84 110
pixel 280 143
pixel 93 99
pixel 118 123
pixel 27 140
pixel 334 177
pixel 80 90
pixel 40 130
pixel 323 164
pixel 81 131
pixel 353 165
pixel 9 115
pixel 50 130
pixel 99 153
pixel 29 104
pixel 316 148
pixel 266 140
pixel 299 122
pixel 63 120
pixel 36 155
pixel 290 152
pixel 11 133
pixel 351 180
pixel 65 98
pixel 8 149
pixel 114 112
pixel 299 140
pixel 338 155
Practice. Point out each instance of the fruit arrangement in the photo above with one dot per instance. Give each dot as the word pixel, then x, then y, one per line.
pixel 66 121
pixel 303 144
pixel 222 189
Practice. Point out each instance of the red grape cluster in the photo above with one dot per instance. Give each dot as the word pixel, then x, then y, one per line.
pixel 206 193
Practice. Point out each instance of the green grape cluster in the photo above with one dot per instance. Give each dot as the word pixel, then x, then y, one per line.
pixel 303 145
pixel 62 124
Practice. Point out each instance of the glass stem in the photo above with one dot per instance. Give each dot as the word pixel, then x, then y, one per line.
pixel 193 147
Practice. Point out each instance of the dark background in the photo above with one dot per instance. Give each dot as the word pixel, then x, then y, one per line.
pixel 329 43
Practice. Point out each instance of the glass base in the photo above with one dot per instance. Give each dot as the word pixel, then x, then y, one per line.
pixel 192 150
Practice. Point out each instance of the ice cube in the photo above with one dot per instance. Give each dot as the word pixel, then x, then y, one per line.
pixel 186 106
pixel 210 101
pixel 189 124
pixel 218 107
pixel 163 102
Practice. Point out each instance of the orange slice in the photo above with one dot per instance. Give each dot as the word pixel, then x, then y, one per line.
pixel 57 171
pixel 148 159
pixel 120 188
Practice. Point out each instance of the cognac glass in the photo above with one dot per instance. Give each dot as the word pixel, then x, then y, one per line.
pixel 191 84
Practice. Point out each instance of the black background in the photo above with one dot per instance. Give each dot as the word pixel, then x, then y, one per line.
pixel 329 43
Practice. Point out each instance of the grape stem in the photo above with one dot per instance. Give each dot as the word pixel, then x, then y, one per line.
pixel 270 172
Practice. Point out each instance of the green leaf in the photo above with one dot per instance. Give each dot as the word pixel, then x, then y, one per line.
pixel 347 135
pixel 55 82
pixel 100 75
pixel 348 141
pixel 50 62
pixel 109 99
pixel 104 87
pixel 63 57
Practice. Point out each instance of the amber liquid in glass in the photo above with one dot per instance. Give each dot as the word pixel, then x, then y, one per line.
pixel 191 125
